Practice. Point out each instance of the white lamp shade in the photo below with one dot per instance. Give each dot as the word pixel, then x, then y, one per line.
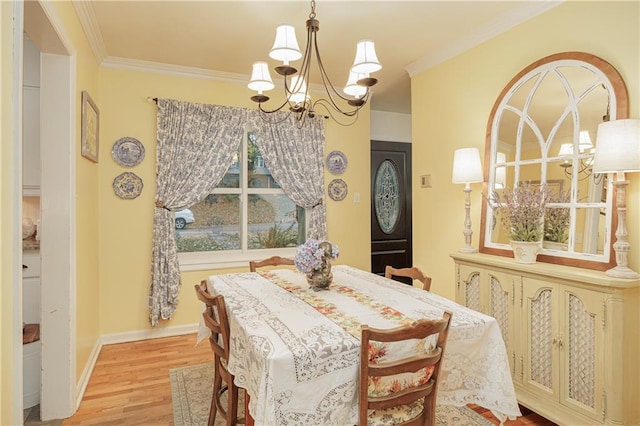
pixel 466 166
pixel 260 78
pixel 353 88
pixel 585 143
pixel 618 146
pixel 298 90
pixel 566 149
pixel 501 171
pixel 285 47
pixel 366 60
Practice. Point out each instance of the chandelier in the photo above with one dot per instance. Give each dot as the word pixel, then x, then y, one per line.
pixel 584 162
pixel 297 96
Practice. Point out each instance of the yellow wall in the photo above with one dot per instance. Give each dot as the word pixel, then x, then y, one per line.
pixel 126 225
pixel 452 101
pixel 7 221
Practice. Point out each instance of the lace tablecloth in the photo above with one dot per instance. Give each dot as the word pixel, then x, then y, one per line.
pixel 296 351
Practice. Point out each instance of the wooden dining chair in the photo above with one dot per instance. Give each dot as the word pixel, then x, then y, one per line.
pixel 216 320
pixel 413 273
pixel 415 402
pixel 271 261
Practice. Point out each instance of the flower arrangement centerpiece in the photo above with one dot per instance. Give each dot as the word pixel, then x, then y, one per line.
pixel 523 209
pixel 556 221
pixel 313 258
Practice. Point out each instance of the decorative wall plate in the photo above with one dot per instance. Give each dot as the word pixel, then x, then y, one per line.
pixel 337 189
pixel 127 185
pixel 336 162
pixel 128 152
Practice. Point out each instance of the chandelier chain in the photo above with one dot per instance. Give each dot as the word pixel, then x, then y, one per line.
pixel 312 15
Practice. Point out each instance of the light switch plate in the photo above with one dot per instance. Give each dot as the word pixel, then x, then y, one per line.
pixel 425 181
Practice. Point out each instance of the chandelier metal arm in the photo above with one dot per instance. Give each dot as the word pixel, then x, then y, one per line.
pixel 326 81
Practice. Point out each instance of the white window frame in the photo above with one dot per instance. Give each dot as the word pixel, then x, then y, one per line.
pixel 226 259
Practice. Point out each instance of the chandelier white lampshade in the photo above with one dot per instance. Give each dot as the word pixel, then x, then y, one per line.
pixel 285 47
pixel 366 60
pixel 565 149
pixel 352 88
pixel 618 146
pixel 298 90
pixel 260 78
pixel 466 166
pixel 584 142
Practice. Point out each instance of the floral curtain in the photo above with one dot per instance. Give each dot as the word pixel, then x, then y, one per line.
pixel 295 158
pixel 195 147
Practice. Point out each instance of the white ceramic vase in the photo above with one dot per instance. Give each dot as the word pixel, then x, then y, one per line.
pixel 525 251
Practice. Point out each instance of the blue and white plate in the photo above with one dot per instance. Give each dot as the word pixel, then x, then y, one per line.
pixel 127 185
pixel 337 162
pixel 337 189
pixel 128 152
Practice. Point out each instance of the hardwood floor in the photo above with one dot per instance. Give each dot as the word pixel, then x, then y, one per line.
pixel 130 384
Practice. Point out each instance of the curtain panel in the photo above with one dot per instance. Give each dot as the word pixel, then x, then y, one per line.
pixel 295 158
pixel 195 148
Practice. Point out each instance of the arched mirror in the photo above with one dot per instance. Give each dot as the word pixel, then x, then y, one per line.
pixel 542 129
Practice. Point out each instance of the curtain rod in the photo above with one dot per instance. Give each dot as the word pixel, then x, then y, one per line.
pixel 150 99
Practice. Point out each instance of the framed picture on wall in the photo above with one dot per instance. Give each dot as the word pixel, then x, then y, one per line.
pixel 90 128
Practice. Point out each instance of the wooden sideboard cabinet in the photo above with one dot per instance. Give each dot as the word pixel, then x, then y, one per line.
pixel 573 335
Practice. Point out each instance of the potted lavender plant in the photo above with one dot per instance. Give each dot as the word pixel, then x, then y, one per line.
pixel 523 209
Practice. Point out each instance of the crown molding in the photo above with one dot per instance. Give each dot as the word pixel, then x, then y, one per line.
pixel 172 70
pixel 89 23
pixel 499 25
pixel 188 72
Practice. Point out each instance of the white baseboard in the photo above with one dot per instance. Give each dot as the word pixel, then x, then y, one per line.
pixel 129 336
pixel 152 333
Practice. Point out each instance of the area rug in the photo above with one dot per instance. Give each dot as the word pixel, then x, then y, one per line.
pixel 191 389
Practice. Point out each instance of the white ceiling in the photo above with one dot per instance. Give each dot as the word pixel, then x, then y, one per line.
pixel 221 39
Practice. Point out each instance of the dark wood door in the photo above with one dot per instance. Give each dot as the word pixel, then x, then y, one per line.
pixel 390 205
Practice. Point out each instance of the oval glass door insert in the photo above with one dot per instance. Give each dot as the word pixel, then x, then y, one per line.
pixel 386 194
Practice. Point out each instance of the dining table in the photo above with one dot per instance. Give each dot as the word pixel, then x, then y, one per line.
pixel 296 351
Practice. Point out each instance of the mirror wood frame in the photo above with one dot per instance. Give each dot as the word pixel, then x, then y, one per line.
pixel 622 111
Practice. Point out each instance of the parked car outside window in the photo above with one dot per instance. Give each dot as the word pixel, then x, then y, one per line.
pixel 183 217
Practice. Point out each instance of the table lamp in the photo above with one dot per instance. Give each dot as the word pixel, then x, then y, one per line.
pixel 618 151
pixel 467 169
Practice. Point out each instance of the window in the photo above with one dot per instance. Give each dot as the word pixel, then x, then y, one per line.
pixel 248 216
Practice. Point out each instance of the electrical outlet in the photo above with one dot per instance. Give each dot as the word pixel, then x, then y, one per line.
pixel 425 181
